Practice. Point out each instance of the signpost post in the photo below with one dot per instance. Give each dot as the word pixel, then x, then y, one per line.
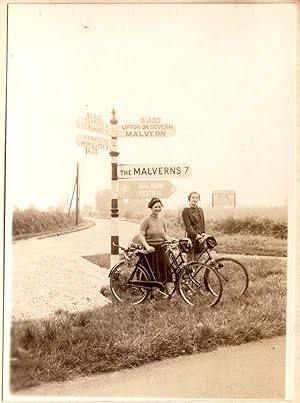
pixel 114 193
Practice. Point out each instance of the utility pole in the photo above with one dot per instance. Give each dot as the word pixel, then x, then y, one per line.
pixel 77 194
pixel 114 257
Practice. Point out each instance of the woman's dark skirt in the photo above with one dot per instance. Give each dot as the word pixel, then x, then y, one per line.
pixel 159 264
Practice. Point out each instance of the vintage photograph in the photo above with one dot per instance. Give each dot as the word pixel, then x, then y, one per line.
pixel 149 193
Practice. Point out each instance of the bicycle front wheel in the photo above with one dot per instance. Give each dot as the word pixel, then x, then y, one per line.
pixel 193 286
pixel 122 290
pixel 233 274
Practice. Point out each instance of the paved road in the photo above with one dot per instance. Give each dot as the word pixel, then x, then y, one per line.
pixel 93 240
pixel 251 371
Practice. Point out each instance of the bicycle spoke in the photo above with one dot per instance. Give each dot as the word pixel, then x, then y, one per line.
pixel 120 287
pixel 233 274
pixel 193 286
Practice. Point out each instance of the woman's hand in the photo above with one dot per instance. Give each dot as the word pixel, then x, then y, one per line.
pixel 150 249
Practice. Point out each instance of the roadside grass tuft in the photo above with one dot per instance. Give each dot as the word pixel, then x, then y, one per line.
pixel 251 245
pixel 119 336
pixel 102 260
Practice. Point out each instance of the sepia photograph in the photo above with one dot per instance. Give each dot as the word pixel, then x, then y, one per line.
pixel 149 201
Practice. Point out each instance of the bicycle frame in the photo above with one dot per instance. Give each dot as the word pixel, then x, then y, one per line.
pixel 153 283
pixel 176 264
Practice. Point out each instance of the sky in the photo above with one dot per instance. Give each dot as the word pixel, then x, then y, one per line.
pixel 223 75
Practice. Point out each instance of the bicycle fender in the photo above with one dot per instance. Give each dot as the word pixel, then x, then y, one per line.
pixel 114 266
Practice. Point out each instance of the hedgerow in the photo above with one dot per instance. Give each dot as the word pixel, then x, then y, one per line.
pixel 32 221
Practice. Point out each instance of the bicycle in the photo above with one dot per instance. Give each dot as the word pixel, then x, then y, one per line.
pixel 132 279
pixel 232 272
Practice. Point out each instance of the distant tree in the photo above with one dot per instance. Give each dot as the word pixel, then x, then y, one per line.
pixel 136 208
pixel 87 210
pixel 61 207
pixel 103 203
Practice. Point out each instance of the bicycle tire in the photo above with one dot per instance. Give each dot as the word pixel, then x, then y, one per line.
pixel 192 286
pixel 233 273
pixel 124 293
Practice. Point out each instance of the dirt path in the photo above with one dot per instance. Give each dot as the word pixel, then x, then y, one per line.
pixel 250 371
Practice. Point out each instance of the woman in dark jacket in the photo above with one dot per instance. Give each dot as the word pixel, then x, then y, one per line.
pixel 193 219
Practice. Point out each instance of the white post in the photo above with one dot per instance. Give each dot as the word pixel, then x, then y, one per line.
pixel 114 257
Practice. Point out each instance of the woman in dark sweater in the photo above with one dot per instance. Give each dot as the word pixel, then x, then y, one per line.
pixel 193 219
pixel 153 232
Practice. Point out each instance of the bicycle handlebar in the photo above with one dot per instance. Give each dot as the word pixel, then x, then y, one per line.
pixel 119 246
pixel 136 250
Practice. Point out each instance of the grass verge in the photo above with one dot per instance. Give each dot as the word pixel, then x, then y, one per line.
pixel 232 244
pixel 251 245
pixel 123 336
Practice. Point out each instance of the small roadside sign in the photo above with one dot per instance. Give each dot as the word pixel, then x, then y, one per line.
pixel 145 189
pixel 93 143
pixel 223 198
pixel 146 127
pixel 132 171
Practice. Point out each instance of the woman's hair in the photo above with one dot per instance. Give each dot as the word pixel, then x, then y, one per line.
pixel 193 193
pixel 153 201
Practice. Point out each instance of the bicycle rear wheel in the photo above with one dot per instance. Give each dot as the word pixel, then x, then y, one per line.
pixel 233 274
pixel 193 287
pixel 124 292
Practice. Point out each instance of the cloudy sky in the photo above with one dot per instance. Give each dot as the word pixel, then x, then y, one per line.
pixel 223 75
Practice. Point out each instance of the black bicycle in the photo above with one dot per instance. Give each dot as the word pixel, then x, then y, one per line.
pixel 132 279
pixel 232 272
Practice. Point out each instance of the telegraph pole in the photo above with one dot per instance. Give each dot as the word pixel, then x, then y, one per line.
pixel 77 194
pixel 114 258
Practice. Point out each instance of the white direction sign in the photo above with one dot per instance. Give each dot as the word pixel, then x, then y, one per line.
pixel 145 189
pixel 146 127
pixel 94 123
pixel 93 143
pixel 127 171
pixel 223 198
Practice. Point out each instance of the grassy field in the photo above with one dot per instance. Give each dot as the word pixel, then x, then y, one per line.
pixel 122 336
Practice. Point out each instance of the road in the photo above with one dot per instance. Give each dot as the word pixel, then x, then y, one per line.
pixel 93 240
pixel 251 371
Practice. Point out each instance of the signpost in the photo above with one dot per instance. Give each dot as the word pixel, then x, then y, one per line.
pixel 223 198
pixel 132 171
pixel 151 127
pixel 94 123
pixel 146 127
pixel 129 189
pixel 93 143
